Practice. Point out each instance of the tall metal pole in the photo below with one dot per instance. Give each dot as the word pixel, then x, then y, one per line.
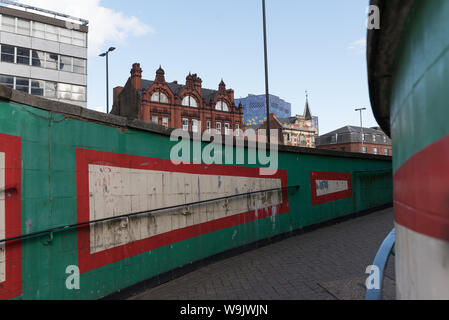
pixel 106 54
pixel 267 94
pixel 107 82
pixel 361 123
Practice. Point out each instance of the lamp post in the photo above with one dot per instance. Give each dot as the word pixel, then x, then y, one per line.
pixel 361 122
pixel 106 54
pixel 267 98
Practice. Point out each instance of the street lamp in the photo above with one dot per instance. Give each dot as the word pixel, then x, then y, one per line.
pixel 267 95
pixel 106 54
pixel 361 122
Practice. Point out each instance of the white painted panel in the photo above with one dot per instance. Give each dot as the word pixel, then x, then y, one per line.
pixel 15 39
pixel 117 191
pixel 324 187
pixel 422 266
pixel 73 78
pixel 73 51
pixel 45 45
pixel 2 218
pixel 13 69
pixel 44 74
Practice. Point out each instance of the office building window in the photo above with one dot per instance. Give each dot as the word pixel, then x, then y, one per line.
pixel 78 93
pixel 23 84
pixel 50 89
pixel 51 33
pixel 51 61
pixel 364 150
pixel 23 27
pixel 218 126
pixel 376 151
pixel 71 92
pixel 79 38
pixel 38 30
pixel 37 87
pixel 195 125
pixel 65 36
pixel 8 24
pixel 185 124
pixel 7 81
pixel 23 56
pixel 165 121
pixel 79 66
pixel 38 59
pixel 7 53
pixel 42 59
pixel 65 63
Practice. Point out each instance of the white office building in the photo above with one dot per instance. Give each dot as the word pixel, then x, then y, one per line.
pixel 44 56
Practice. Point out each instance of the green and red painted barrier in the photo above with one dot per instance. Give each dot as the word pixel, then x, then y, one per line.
pixel 408 62
pixel 64 167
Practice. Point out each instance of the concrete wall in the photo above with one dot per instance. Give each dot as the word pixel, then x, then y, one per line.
pixel 61 165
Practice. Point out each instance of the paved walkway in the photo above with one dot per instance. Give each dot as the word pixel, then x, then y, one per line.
pixel 328 263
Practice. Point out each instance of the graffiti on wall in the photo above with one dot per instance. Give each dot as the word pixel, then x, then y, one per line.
pixel 10 217
pixel 330 186
pixel 111 185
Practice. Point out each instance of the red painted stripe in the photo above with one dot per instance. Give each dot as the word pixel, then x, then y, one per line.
pixel 12 286
pixel 88 261
pixel 421 191
pixel 334 176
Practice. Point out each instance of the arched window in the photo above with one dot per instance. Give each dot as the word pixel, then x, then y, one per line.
pixel 189 101
pixel 222 106
pixel 159 97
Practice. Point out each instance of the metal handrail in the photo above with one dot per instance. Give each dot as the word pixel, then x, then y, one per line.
pixel 186 205
pixel 381 260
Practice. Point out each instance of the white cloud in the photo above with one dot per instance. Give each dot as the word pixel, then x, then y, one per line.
pixel 105 24
pixel 358 46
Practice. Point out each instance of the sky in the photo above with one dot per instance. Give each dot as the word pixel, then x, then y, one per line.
pixel 313 45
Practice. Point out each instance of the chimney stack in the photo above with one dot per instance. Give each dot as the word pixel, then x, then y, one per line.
pixel 136 76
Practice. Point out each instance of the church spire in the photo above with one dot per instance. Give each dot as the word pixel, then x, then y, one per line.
pixel 307 112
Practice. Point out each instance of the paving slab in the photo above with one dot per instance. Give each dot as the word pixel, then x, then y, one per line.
pixel 326 264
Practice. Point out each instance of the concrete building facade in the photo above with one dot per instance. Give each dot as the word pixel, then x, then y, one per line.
pixel 44 56
pixel 189 107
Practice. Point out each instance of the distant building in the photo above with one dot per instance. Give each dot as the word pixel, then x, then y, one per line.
pixel 299 131
pixel 189 107
pixel 44 56
pixel 255 111
pixel 349 139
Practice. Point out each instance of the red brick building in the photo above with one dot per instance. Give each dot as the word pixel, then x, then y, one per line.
pixel 189 107
pixel 349 139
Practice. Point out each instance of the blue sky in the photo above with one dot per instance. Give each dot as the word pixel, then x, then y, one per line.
pixel 314 45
